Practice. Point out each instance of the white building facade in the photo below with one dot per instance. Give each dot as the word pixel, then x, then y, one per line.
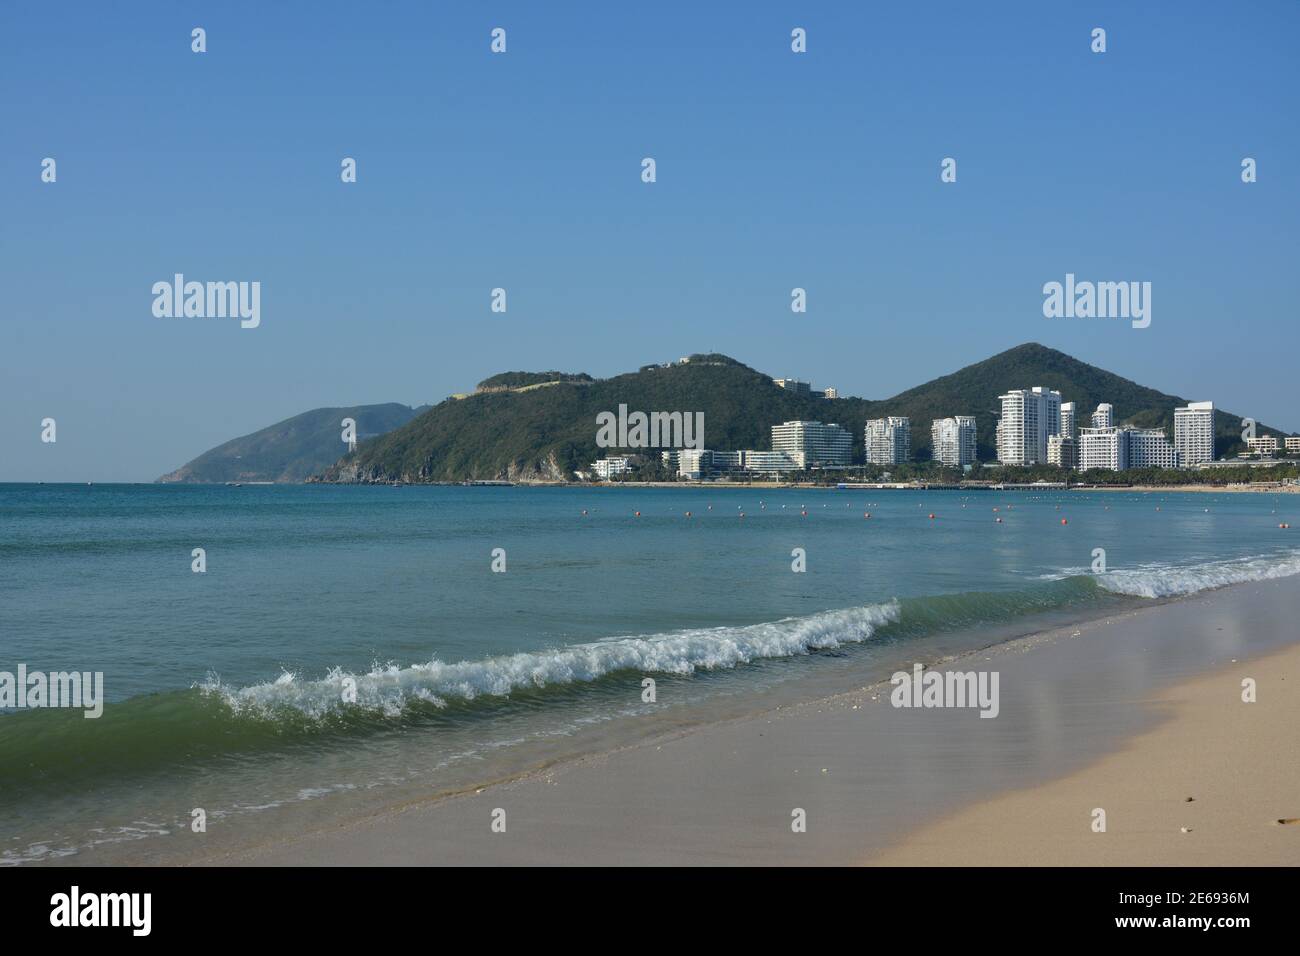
pixel 952 440
pixel 1114 449
pixel 1063 452
pixel 1103 448
pixel 1069 421
pixel 813 443
pixel 769 462
pixel 1029 418
pixel 1194 433
pixel 1149 448
pixel 607 468
pixel 888 441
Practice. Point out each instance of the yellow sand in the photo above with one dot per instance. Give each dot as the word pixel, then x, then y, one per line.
pixel 1240 762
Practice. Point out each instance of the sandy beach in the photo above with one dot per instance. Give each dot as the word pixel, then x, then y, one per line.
pixel 1216 783
pixel 1132 713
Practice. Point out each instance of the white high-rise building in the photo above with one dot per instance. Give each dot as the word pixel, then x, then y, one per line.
pixel 888 441
pixel 1102 448
pixel 952 440
pixel 1069 425
pixel 1029 417
pixel 812 443
pixel 1062 452
pixel 1149 448
pixel 1194 433
pixel 1104 416
pixel 1115 449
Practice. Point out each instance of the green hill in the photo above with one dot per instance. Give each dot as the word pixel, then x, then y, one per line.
pixel 291 450
pixel 508 380
pixel 974 390
pixel 548 433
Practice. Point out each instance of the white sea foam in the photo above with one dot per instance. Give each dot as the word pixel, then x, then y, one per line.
pixel 389 688
pixel 1158 581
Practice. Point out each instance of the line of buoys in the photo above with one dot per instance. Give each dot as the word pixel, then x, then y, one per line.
pixel 1284 525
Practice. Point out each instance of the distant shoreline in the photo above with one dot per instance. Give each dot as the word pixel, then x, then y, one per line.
pixel 891 486
pixel 1257 488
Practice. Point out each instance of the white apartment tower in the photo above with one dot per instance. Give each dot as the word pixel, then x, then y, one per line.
pixel 1069 425
pixel 1115 449
pixel 1194 433
pixel 1149 448
pixel 1063 452
pixel 812 443
pixel 888 441
pixel 1029 417
pixel 1102 448
pixel 952 440
pixel 1104 416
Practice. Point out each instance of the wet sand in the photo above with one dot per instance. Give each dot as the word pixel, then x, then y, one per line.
pixel 883 784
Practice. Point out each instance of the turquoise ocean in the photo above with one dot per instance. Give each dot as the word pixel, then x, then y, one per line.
pixel 230 690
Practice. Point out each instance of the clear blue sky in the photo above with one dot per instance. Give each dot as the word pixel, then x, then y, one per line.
pixel 522 170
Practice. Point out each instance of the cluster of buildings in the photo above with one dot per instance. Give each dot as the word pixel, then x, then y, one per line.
pixel 1036 428
pixel 796 446
pixel 1267 446
pixel 805 388
pixel 804 445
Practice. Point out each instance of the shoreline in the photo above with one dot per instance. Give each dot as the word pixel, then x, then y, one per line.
pixel 1213 784
pixel 868 775
pixel 1254 488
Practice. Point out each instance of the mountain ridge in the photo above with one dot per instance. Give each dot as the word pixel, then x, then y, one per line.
pixel 549 433
pixel 290 450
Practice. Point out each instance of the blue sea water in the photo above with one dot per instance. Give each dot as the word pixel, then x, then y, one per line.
pixel 230 690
